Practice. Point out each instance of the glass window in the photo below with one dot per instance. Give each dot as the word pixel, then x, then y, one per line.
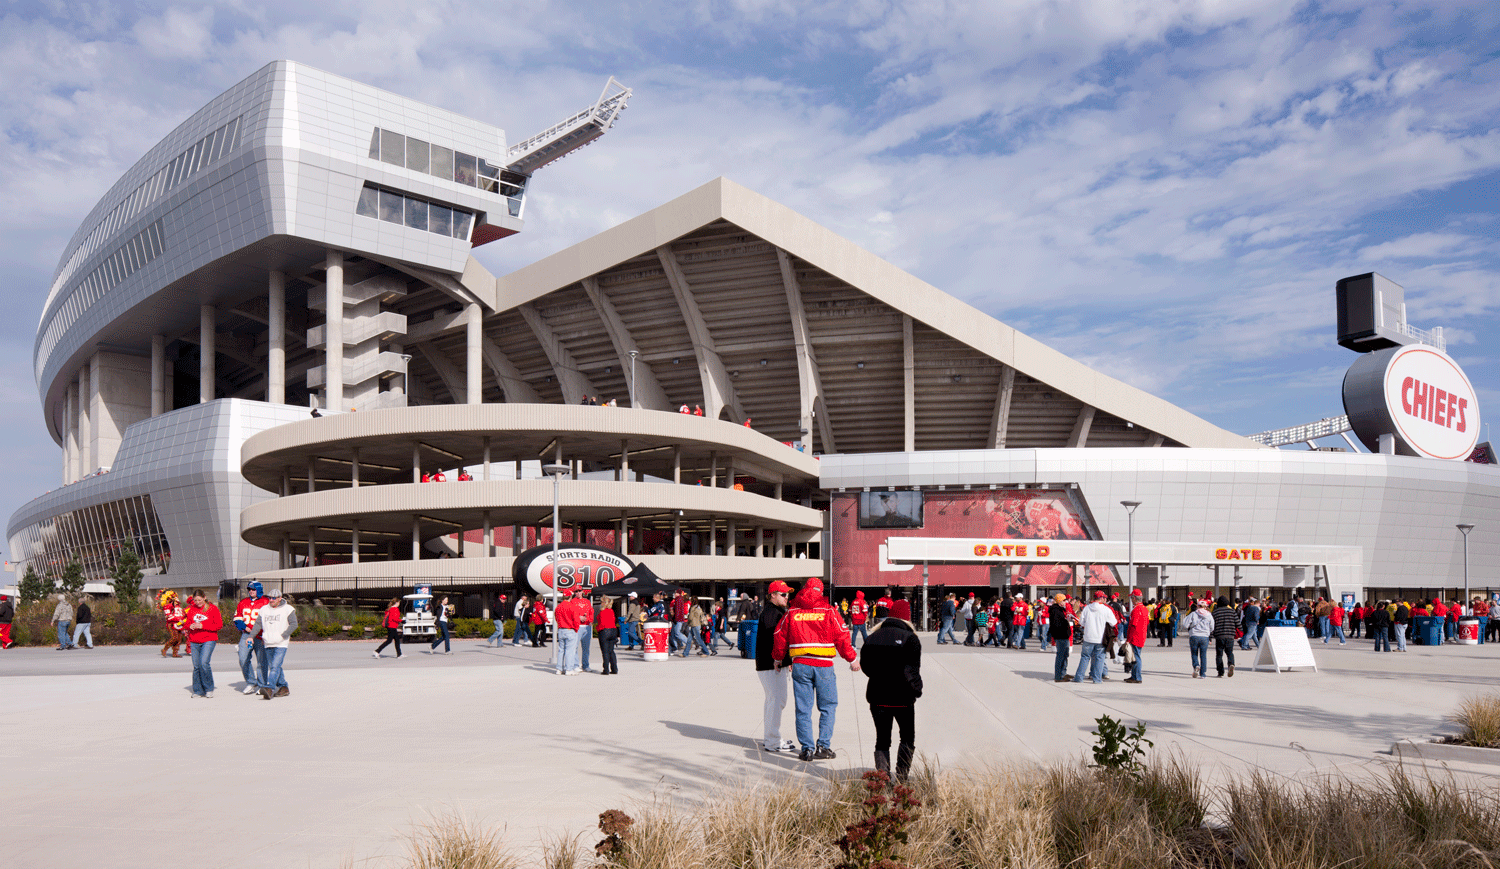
pixel 465 169
pixel 390 206
pixel 416 154
pixel 196 161
pixel 416 214
pixel 442 162
pixel 392 148
pixel 234 134
pixel 375 144
pixel 369 203
pixel 440 219
pixel 216 147
pixel 461 222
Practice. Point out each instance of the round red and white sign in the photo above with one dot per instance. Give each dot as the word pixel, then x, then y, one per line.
pixel 1418 394
pixel 579 566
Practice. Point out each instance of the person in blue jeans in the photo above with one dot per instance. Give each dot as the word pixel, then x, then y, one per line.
pixel 442 611
pixel 1094 619
pixel 1200 627
pixel 1060 631
pixel 949 611
pixel 813 634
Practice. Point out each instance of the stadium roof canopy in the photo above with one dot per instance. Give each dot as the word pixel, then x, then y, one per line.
pixel 736 303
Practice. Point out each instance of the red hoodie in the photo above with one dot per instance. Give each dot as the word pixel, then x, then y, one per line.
pixel 811 631
pixel 567 616
pixel 858 609
pixel 393 617
pixel 203 624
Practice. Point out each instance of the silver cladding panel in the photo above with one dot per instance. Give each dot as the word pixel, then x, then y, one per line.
pixel 1401 510
pixel 188 462
pixel 302 161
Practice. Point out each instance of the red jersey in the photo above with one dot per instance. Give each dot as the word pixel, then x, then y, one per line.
pixel 539 613
pixel 1018 613
pixel 248 611
pixel 680 607
pixel 567 616
pixel 393 617
pixel 859 611
pixel 1135 634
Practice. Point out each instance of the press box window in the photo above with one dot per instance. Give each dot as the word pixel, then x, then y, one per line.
pixel 393 207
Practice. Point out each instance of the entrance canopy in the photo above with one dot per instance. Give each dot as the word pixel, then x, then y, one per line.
pixel 1342 565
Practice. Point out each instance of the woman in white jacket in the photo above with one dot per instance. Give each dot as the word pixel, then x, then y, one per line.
pixel 275 624
pixel 1200 626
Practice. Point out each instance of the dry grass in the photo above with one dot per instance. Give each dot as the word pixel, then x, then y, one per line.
pixel 1478 718
pixel 452 841
pixel 1027 817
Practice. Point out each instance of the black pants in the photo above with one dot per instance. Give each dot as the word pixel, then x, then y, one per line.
pixel 905 718
pixel 392 635
pixel 537 634
pixel 1223 647
pixel 608 639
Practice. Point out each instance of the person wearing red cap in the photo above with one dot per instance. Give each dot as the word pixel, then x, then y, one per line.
pixel 566 619
pixel 1094 619
pixel 812 634
pixel 892 659
pixel 1135 634
pixel 859 613
pixel 771 672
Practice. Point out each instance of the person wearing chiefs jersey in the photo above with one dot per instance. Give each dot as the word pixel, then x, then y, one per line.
pixel 392 627
pixel 859 613
pixel 1135 634
pixel 539 622
pixel 567 618
pixel 202 621
pixel 883 605
pixel 812 634
pixel 252 649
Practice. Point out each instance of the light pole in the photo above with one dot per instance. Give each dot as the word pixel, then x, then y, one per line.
pixel 555 472
pixel 633 354
pixel 1130 511
pixel 1465 527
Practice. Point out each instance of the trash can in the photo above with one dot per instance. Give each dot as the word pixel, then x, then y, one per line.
pixel 1468 630
pixel 1281 623
pixel 656 640
pixel 746 637
pixel 1429 630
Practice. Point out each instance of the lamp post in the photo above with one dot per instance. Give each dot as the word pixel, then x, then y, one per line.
pixel 1130 512
pixel 555 472
pixel 1465 527
pixel 633 354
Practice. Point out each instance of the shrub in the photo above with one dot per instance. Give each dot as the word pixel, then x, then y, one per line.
pixel 1119 747
pixel 127 578
pixel 1478 719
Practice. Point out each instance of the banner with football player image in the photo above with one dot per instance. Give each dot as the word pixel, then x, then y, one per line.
pixel 862 521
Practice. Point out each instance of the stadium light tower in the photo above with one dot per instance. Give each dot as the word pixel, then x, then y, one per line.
pixel 1130 511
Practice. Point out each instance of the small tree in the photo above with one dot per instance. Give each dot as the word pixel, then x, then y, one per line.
pixel 127 575
pixel 72 577
pixel 32 587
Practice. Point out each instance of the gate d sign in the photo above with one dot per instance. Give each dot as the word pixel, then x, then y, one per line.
pixel 1416 393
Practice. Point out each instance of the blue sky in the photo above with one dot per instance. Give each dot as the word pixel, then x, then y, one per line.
pixel 1165 190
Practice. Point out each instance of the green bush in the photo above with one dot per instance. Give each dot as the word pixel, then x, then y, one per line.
pixel 471 627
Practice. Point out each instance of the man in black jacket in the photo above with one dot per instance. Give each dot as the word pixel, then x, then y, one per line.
pixel 1226 619
pixel 892 659
pixel 1060 632
pixel 772 680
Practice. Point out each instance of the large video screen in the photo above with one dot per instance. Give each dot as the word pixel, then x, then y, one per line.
pixel 862 521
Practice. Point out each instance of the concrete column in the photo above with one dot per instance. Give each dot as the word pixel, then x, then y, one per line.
pixel 489 531
pixel 70 434
pixel 158 375
pixel 778 545
pixel 85 448
pixel 677 464
pixel 354 542
pixel 312 474
pixel 416 539
pixel 713 470
pixel 760 541
pixel 677 532
pixel 416 463
pixel 286 551
pixel 312 552
pixel 333 334
pixel 208 323
pixel 286 481
pixel 713 539
pixel 729 538
pixel 624 461
pixel 487 459
pixel 474 360
pixel 354 469
pixel 276 339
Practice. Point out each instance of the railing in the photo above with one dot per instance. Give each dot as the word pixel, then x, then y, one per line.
pixel 1432 338
pixel 564 137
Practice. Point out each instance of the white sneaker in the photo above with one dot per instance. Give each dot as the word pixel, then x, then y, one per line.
pixel 250 689
pixel 374 654
pixel 209 695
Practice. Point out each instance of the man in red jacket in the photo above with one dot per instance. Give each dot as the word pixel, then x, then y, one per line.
pixel 1135 634
pixel 859 613
pixel 812 634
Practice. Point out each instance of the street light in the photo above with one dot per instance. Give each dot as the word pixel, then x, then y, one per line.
pixel 555 472
pixel 1130 509
pixel 633 354
pixel 1465 527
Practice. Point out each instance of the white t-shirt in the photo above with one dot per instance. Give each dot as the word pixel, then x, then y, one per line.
pixel 277 624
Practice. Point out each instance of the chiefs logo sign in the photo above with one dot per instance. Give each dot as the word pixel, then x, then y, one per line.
pixel 1419 395
pixel 578 566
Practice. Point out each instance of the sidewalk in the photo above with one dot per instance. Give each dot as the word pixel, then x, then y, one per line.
pixel 110 768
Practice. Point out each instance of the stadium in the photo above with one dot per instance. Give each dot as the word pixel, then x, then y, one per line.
pixel 268 353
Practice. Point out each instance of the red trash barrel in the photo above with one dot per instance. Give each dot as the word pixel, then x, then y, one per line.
pixel 657 635
pixel 1468 630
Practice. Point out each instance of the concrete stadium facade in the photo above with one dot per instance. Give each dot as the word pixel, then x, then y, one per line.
pixel 302 224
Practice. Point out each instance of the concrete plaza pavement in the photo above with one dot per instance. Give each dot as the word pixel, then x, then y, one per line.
pixel 108 761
